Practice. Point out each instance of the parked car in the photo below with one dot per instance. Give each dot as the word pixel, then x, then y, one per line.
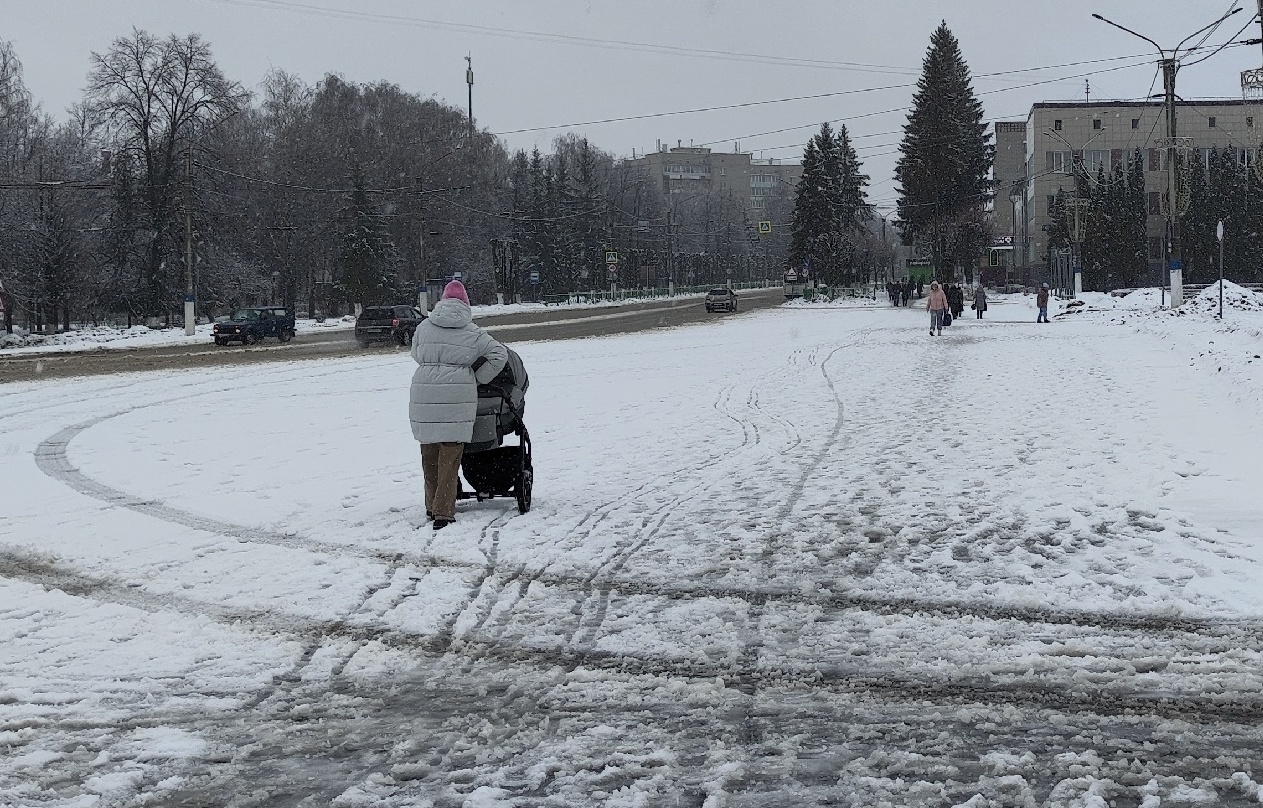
pixel 721 298
pixel 253 324
pixel 387 323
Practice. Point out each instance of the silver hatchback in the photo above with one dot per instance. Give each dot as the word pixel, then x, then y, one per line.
pixel 721 299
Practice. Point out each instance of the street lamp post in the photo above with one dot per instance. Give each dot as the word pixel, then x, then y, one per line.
pixel 1078 203
pixel 1174 145
pixel 1219 234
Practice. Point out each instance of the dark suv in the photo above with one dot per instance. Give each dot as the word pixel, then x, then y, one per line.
pixel 721 298
pixel 253 324
pixel 383 323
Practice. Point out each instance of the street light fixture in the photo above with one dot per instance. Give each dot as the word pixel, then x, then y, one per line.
pixel 1174 145
pixel 1077 203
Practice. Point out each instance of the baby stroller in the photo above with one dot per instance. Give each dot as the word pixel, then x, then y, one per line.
pixel 489 467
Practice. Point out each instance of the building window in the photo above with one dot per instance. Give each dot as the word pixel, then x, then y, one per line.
pixel 1057 124
pixel 1052 202
pixel 757 202
pixel 1211 121
pixel 1155 160
pixel 1155 203
pixel 1096 123
pixel 1155 248
pixel 1249 122
pixel 1094 160
pixel 1060 162
pixel 1135 123
pixel 1245 157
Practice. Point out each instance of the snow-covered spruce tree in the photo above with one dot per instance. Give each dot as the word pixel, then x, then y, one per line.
pixel 945 162
pixel 1098 228
pixel 368 256
pixel 830 209
pixel 1200 248
pixel 1131 222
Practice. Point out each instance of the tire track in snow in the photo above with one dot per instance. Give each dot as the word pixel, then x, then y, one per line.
pixel 590 620
pixel 750 674
pixel 51 459
pixel 752 650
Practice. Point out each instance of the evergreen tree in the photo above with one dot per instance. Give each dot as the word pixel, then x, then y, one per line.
pixel 1249 230
pixel 1058 229
pixel 1199 244
pixel 945 162
pixel 368 256
pixel 1098 252
pixel 1132 230
pixel 810 216
pixel 830 209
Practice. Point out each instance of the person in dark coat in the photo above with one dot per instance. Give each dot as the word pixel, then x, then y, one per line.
pixel 980 300
pixel 453 357
pixel 1041 301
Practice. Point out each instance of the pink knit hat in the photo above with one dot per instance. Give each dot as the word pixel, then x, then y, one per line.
pixel 456 289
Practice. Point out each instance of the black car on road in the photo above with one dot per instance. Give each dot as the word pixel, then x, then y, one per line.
pixel 387 323
pixel 253 324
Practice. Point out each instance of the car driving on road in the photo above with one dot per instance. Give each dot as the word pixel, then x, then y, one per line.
pixel 387 323
pixel 721 298
pixel 251 325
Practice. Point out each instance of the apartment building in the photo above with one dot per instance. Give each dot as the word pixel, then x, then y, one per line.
pixel 1056 135
pixel 686 172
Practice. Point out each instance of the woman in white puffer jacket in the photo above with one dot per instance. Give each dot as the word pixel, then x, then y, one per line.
pixel 453 357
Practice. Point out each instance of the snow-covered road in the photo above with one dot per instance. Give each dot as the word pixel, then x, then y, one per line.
pixel 801 556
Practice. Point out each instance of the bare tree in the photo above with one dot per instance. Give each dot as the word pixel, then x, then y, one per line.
pixel 159 97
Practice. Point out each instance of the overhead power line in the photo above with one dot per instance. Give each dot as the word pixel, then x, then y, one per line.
pixel 313 9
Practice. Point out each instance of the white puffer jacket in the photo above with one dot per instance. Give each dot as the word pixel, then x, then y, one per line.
pixel 444 395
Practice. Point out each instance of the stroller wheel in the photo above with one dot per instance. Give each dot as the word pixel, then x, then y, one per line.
pixel 523 490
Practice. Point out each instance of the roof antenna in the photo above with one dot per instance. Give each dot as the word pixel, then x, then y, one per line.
pixel 1087 90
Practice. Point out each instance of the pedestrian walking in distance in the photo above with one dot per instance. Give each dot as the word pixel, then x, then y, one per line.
pixel 453 357
pixel 1041 300
pixel 980 300
pixel 936 304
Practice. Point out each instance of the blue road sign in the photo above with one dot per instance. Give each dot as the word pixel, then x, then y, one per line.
pixel 534 276
pixel 1177 264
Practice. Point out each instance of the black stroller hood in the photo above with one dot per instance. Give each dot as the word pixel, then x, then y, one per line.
pixel 511 382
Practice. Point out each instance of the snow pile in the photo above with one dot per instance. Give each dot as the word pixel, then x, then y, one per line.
pixel 1236 298
pixel 1148 298
pixel 105 337
pixel 820 300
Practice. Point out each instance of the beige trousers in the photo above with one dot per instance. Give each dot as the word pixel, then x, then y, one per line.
pixel 440 463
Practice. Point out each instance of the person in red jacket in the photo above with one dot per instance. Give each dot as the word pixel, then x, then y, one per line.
pixel 936 305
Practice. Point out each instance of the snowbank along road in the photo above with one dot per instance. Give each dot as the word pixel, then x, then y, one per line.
pixel 550 323
pixel 801 556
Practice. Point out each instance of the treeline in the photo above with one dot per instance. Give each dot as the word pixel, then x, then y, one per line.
pixel 1222 186
pixel 1112 225
pixel 316 196
pixel 1213 185
pixel 832 238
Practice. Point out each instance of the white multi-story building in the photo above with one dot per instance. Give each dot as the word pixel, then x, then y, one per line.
pixel 1057 135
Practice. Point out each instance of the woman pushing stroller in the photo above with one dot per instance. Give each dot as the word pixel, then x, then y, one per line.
pixel 453 357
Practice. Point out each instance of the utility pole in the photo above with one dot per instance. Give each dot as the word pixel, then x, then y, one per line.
pixel 469 80
pixel 190 324
pixel 1175 206
pixel 1176 264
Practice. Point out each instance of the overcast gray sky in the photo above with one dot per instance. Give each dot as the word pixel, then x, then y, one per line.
pixel 541 65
